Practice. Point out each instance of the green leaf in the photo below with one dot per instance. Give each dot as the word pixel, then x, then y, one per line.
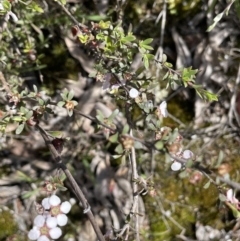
pixel 151 126
pixel 35 89
pixel 113 138
pixel 165 76
pixel 139 70
pixel 29 114
pixel 207 185
pixel 104 25
pixel 19 129
pixel 63 177
pixel 70 95
pixel 64 94
pixel 169 65
pixel 236 213
pixel 35 7
pixel 147 41
pixel 30 193
pixel 17 118
pixel 61 103
pixel 125 129
pixel 188 74
pixel 159 145
pixel 199 94
pixel 164 58
pixel 147 47
pixel 215 21
pixel 220 158
pixel 70 112
pixel 100 116
pixel 61 187
pixel 189 163
pixel 119 149
pixel 145 61
pixel 26 178
pixel 83 38
pixel 6 5
pixel 128 38
pixel 113 115
pixel 173 136
pixel 41 101
pixel 23 110
pixel 95 18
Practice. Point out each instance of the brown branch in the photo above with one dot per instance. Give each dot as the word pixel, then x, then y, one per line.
pixel 134 209
pixel 78 192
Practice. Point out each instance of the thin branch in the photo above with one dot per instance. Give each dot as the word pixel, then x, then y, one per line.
pixel 74 20
pixel 135 190
pixel 78 192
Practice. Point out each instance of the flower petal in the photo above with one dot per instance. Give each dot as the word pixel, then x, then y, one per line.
pixel 34 234
pixel 45 203
pixel 51 222
pixel 163 109
pixel 54 200
pixel 39 221
pixel 133 93
pixel 55 233
pixel 65 207
pixel 176 166
pixel 43 238
pixel 62 219
pixel 187 154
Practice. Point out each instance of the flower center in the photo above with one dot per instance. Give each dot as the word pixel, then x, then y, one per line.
pixel 55 210
pixel 44 230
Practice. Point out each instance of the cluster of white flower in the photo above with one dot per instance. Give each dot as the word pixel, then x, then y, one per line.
pixel 46 224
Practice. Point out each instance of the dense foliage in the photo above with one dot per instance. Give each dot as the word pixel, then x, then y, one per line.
pixel 129 109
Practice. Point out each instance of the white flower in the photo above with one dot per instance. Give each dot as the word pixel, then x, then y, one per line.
pixel 45 229
pixel 133 93
pixel 59 209
pixel 163 109
pixel 176 166
pixel 187 154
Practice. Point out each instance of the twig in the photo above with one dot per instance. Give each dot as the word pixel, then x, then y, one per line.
pixel 78 192
pixel 135 190
pixel 71 16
